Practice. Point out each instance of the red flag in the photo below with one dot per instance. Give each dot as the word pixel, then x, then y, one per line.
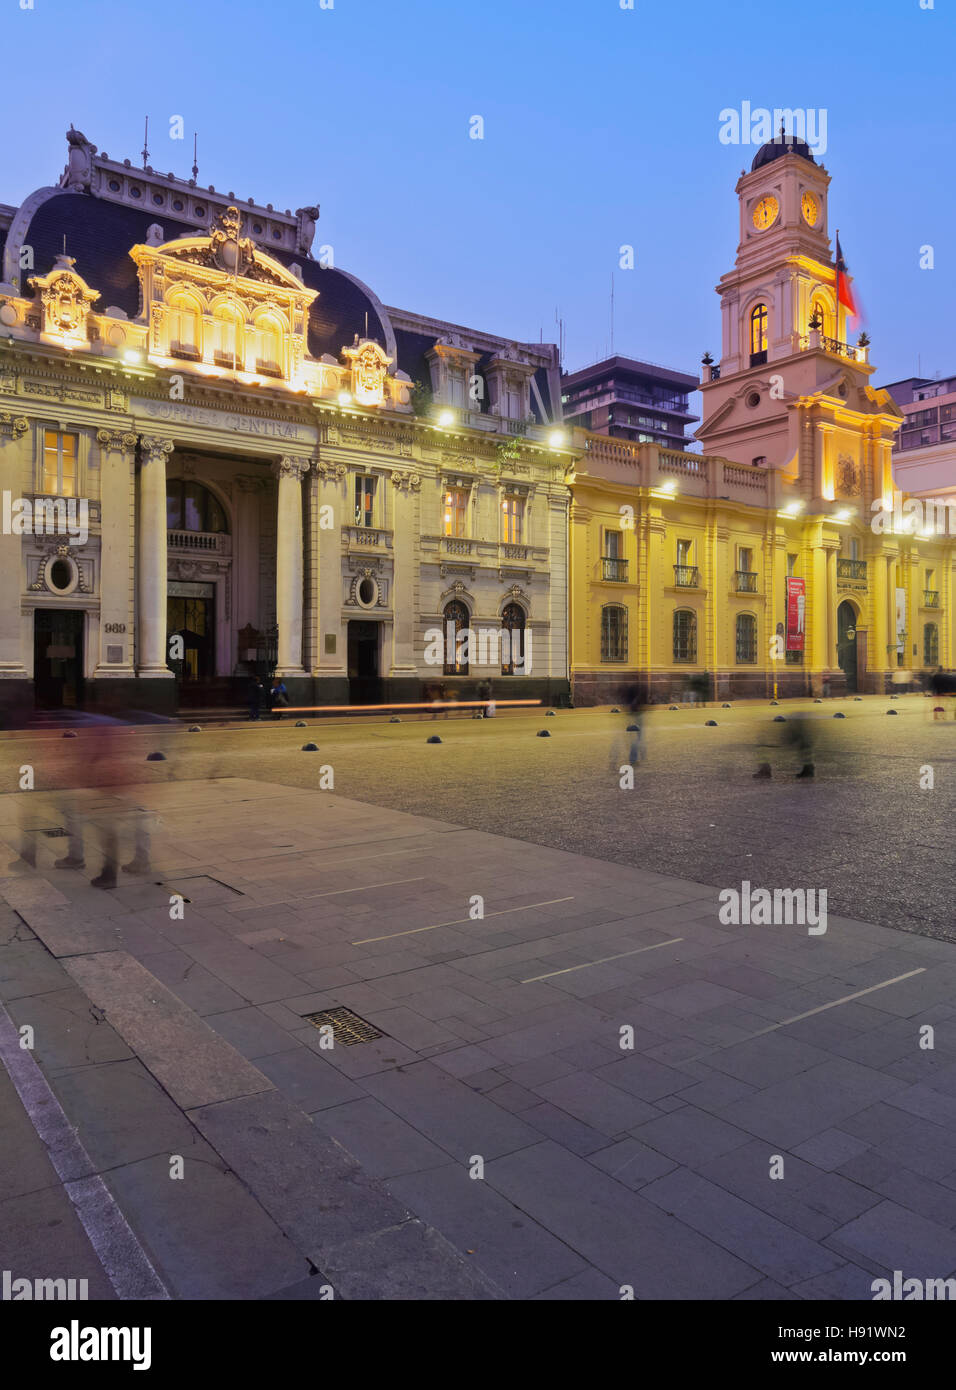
pixel 845 295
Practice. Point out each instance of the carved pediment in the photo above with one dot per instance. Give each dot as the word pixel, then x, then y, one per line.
pixel 226 250
pixel 368 365
pixel 66 299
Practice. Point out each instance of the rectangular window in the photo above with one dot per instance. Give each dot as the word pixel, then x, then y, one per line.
pixel 854 548
pixel 685 635
pixel 512 518
pixel 455 517
pixel 365 488
pixel 791 565
pixel 59 463
pixel 683 552
pixel 745 558
pixel 613 633
pixel 612 544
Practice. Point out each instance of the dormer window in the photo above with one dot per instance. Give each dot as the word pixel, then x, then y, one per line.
pixel 758 335
pixel 184 330
pixel 227 337
pixel 268 346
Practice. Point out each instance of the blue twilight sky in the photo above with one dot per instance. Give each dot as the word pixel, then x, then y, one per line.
pixel 600 129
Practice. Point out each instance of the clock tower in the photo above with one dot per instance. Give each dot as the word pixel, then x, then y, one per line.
pixel 792 396
pixel 790 393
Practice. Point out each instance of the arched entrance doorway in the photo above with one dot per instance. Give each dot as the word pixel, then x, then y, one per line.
pixel 847 643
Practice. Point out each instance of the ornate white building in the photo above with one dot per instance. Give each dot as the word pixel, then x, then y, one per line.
pixel 273 464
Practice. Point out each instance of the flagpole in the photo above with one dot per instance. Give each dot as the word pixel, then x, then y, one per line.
pixel 837 264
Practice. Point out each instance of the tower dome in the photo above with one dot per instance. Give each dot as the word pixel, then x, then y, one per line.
pixel 779 146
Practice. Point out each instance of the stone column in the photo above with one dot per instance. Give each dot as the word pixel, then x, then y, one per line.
pixel 16 637
pixel 151 569
pixel 289 564
pixel 879 635
pixel 329 626
pixel 822 464
pixel 819 608
pixel 406 485
pixel 831 608
pixel 117 575
pixel 891 610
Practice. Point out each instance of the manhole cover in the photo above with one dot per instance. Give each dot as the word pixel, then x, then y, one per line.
pixel 55 832
pixel 346 1026
pixel 202 889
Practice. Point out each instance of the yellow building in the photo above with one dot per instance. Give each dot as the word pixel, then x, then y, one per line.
pixel 780 557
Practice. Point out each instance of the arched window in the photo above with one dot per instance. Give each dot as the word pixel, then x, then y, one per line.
pixel 758 334
pixel 268 345
pixel 227 336
pixel 456 627
pixel 685 634
pixel 613 632
pixel 184 327
pixel 930 644
pixel 818 310
pixel 513 640
pixel 192 507
pixel 746 639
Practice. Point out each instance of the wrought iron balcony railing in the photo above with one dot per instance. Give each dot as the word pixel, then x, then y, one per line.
pixel 614 569
pixel 930 598
pixel 686 577
pixel 746 581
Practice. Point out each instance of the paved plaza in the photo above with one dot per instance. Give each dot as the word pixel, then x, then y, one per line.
pixel 583 1080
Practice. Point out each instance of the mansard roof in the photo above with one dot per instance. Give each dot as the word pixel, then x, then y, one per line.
pixel 93 209
pixel 99 236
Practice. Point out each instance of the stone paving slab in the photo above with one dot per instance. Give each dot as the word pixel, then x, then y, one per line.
pixel 188 1058
pixel 603 1164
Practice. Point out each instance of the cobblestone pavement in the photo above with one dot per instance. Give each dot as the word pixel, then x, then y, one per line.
pixel 864 828
pixel 583 1080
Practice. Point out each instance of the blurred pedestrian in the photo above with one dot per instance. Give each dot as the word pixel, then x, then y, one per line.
pixel 900 680
pixel 799 736
pixel 278 697
pixel 256 693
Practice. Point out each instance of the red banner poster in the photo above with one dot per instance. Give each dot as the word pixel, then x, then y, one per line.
pixel 796 614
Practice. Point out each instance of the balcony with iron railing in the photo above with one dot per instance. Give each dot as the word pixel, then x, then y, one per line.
pixel 686 577
pixel 930 598
pixel 856 352
pixel 850 569
pixel 745 581
pixel 614 569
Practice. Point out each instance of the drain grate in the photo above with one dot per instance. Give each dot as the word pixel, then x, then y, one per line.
pixel 56 832
pixel 347 1027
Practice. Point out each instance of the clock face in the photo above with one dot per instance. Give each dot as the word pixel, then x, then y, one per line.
pixel 765 213
pixel 811 209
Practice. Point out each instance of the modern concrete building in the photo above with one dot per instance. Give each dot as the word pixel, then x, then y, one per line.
pixel 924 458
pixel 626 399
pixel 276 471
